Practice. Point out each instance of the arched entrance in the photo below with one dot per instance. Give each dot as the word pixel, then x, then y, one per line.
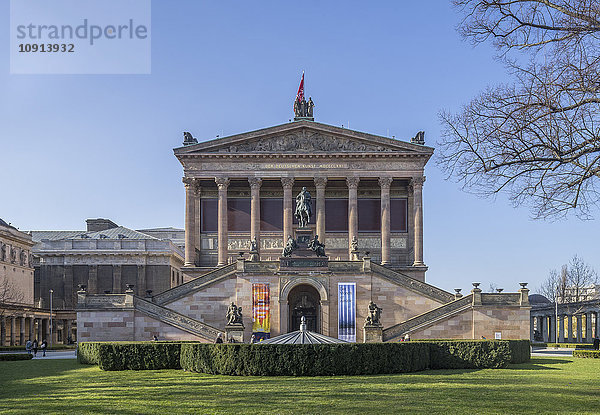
pixel 304 300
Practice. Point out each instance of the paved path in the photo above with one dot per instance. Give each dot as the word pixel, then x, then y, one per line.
pixel 50 354
pixel 547 351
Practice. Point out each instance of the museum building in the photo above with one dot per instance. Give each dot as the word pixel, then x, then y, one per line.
pixel 310 220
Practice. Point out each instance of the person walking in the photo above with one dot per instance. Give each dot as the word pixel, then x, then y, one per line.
pixel 28 346
pixel 596 342
pixel 43 347
pixel 253 339
pixel 34 346
pixel 219 338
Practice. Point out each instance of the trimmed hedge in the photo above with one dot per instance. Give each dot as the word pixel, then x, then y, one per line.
pixel 590 354
pixel 130 355
pixel 305 359
pixel 15 356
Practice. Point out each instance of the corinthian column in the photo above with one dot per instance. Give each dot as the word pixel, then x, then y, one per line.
pixel 320 183
pixel 417 185
pixel 352 183
pixel 385 183
pixel 255 183
pixel 222 236
pixel 287 183
pixel 190 221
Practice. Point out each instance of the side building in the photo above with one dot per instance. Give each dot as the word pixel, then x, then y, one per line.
pixel 105 258
pixel 20 319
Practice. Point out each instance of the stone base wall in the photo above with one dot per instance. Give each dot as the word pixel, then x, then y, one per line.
pixel 110 325
pixel 512 322
pixel 146 328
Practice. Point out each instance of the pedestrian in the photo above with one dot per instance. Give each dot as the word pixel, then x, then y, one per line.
pixel 596 342
pixel 28 346
pixel 155 338
pixel 406 337
pixel 43 347
pixel 219 338
pixel 34 346
pixel 253 339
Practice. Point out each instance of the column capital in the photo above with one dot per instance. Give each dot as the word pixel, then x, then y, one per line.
pixel 320 181
pixel 417 181
pixel 287 182
pixel 189 182
pixel 352 182
pixel 385 182
pixel 222 182
pixel 255 182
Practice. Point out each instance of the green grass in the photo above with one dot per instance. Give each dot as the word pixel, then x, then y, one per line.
pixel 546 385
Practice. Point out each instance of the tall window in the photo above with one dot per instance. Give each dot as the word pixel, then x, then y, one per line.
pixel 209 215
pixel 238 215
pixel 347 311
pixel 271 214
pixel 369 215
pixel 399 215
pixel 336 215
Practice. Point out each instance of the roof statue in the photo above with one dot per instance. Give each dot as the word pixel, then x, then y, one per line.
pixel 303 110
pixel 188 139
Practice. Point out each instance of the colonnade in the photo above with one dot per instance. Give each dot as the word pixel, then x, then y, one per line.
pixel 578 328
pixel 193 195
pixel 16 330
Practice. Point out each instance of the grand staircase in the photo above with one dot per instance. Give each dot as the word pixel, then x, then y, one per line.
pixel 427 319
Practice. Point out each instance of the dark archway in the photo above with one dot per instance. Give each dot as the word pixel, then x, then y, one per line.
pixel 304 300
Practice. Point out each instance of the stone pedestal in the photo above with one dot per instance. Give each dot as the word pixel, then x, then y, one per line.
pixel 254 257
pixel 303 237
pixel 373 333
pixel 354 255
pixel 234 332
pixel 303 257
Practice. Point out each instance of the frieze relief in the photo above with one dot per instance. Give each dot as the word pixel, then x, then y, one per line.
pixel 377 165
pixel 304 142
pixel 107 260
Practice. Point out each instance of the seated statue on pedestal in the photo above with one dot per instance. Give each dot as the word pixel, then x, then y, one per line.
pixel 290 246
pixel 374 316
pixel 317 246
pixel 234 315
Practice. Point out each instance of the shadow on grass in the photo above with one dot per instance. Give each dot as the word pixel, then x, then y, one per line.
pixel 539 363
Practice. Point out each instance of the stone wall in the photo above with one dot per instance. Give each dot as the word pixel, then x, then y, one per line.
pixel 512 322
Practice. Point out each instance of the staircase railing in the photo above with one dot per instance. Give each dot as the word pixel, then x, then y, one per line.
pixel 428 318
pixel 176 319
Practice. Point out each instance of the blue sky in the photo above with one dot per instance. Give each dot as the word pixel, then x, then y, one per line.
pixel 79 146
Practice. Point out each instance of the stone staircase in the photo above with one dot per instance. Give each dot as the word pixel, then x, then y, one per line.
pixel 175 319
pixel 426 319
pixel 194 285
pixel 420 287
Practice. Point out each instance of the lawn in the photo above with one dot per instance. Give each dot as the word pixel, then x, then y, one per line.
pixel 546 385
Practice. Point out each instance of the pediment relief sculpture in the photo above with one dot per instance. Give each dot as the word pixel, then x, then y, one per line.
pixel 303 143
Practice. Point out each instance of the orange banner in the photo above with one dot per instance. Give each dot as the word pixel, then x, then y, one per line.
pixel 261 313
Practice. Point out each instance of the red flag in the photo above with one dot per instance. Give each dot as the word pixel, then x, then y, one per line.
pixel 300 94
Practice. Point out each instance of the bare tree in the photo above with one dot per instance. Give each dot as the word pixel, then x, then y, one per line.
pixel 538 139
pixel 10 294
pixel 570 284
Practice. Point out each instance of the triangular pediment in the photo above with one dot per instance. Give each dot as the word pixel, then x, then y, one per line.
pixel 304 137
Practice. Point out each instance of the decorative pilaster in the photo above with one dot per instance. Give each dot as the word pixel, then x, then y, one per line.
pixel 2 330
pixel 561 328
pixel 13 329
pixel 197 220
pixel 287 183
pixel 255 183
pixel 417 186
pixel 385 184
pixel 116 282
pixel 141 280
pixel 93 279
pixel 32 327
pixel 190 221
pixel 352 183
pixel 222 237
pixel 320 184
pixel 21 331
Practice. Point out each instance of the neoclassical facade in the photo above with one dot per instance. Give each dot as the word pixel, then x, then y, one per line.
pixel 573 322
pixel 363 186
pixel 367 209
